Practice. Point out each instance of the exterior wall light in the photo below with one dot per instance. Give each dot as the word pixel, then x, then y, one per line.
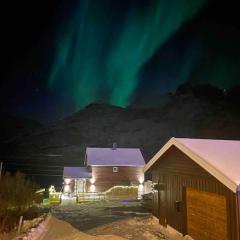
pixel 67 180
pixel 141 179
pixel 92 188
pixel 66 188
pixel 92 180
pixel 140 187
pixel 140 191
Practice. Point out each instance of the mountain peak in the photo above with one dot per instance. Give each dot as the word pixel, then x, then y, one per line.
pixel 102 105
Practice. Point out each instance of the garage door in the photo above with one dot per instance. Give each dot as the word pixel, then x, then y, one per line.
pixel 206 215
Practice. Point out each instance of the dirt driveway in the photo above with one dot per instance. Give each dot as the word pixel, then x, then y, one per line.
pixel 87 216
pixel 119 218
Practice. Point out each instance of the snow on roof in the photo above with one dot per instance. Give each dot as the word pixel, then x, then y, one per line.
pixel 223 154
pixel 221 158
pixel 76 172
pixel 115 157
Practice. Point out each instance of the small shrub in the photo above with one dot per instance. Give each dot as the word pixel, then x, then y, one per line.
pixel 32 212
pixel 16 196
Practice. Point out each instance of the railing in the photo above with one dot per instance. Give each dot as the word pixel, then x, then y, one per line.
pixel 114 193
pixel 84 197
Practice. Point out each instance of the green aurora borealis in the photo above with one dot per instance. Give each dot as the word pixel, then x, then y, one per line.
pixel 60 55
pixel 100 53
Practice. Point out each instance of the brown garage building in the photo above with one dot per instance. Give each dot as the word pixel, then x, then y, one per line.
pixel 197 188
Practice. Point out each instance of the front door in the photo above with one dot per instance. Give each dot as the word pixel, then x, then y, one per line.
pixel 81 185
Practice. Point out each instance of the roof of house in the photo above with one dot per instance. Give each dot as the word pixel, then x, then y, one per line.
pixel 114 157
pixel 76 172
pixel 221 158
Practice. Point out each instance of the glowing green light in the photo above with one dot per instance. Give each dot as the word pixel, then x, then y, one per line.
pixel 96 59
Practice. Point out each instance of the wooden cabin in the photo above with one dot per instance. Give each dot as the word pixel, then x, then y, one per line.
pixel 105 168
pixel 196 187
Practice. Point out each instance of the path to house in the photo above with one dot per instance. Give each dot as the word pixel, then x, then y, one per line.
pixel 97 221
pixel 87 216
pixel 124 219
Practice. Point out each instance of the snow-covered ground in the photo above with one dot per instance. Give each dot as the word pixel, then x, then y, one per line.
pixel 94 214
pixel 99 221
pixel 55 229
pixel 127 219
pixel 137 228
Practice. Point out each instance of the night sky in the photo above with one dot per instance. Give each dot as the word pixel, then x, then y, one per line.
pixel 60 56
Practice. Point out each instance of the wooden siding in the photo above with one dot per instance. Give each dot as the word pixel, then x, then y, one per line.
pixel 105 178
pixel 176 172
pixel 206 215
pixel 238 212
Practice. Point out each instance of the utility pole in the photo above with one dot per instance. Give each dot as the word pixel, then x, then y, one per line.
pixel 1 168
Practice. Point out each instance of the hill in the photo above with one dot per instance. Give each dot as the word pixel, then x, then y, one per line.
pixel 190 112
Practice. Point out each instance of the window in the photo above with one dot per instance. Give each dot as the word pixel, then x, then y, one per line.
pixel 115 169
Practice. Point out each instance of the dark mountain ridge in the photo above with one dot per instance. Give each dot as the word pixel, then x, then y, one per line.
pixel 192 112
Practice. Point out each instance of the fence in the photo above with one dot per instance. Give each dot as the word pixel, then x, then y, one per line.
pixel 84 197
pixel 114 193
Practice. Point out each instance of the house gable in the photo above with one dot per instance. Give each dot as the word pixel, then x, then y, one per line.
pixel 203 162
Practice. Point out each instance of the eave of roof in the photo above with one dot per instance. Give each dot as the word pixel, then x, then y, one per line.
pixel 204 163
pixel 116 165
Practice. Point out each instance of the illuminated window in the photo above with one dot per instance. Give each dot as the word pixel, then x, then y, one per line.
pixel 115 169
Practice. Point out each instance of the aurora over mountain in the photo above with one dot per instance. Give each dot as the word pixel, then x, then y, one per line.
pixel 69 54
pixel 100 54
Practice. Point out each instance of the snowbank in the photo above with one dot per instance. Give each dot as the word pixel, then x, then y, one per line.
pixel 55 229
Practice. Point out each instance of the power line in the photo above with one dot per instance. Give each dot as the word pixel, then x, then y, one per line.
pixel 42 174
pixel 41 170
pixel 33 161
pixel 35 156
pixel 33 167
pixel 33 164
pixel 39 174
